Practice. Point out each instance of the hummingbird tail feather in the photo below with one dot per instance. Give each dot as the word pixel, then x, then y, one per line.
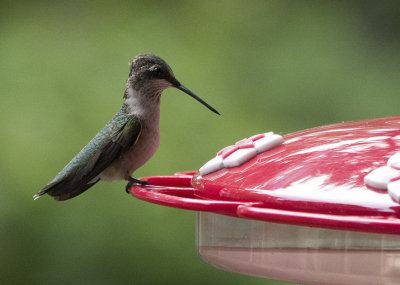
pixel 48 188
pixel 71 193
pixel 62 190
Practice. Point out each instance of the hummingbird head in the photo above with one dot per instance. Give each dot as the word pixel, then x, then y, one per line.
pixel 150 75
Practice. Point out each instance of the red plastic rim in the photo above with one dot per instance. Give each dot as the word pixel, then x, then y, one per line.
pixel 175 191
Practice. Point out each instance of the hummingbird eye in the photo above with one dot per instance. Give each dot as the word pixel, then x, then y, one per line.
pixel 155 69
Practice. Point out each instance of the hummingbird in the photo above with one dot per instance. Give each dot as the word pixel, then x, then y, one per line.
pixel 131 137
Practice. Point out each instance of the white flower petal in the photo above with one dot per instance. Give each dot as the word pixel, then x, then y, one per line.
pixel 380 177
pixel 268 142
pixel 212 165
pixel 394 190
pixel 239 157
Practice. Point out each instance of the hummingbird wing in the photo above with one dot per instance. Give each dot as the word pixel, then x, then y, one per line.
pixel 108 145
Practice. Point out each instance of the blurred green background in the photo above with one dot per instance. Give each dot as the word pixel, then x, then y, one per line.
pixel 265 65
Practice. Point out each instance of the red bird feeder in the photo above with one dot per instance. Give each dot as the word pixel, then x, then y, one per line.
pixel 319 206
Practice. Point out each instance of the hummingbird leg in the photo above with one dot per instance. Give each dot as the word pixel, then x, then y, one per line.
pixel 133 181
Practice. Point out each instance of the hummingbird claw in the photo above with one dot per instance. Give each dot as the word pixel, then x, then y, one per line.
pixel 134 181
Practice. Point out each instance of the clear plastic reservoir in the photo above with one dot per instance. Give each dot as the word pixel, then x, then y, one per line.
pixel 297 254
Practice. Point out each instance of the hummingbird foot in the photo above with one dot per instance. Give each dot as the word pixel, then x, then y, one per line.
pixel 134 181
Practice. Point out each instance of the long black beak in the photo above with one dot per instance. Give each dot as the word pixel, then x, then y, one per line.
pixel 187 91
